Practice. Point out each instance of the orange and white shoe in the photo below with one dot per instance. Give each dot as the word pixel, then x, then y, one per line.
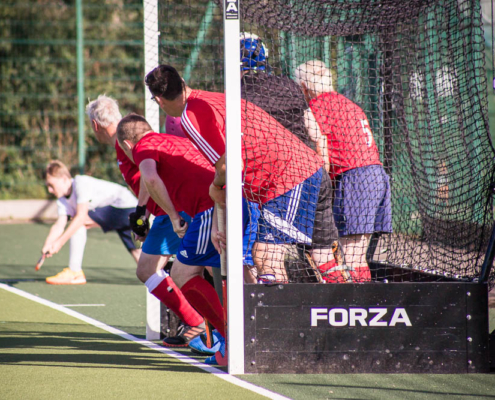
pixel 67 277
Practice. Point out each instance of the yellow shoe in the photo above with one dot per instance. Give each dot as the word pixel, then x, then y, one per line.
pixel 67 277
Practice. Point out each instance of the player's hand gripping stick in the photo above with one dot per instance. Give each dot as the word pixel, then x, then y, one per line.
pixel 40 262
pixel 139 223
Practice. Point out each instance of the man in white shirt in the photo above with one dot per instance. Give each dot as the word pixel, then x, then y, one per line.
pixel 88 202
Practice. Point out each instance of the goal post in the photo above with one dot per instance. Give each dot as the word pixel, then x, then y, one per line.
pixel 235 278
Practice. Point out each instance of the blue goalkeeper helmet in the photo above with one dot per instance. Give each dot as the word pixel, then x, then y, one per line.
pixel 254 55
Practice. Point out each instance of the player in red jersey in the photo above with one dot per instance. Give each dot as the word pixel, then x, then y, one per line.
pixel 362 189
pixel 161 241
pixel 280 173
pixel 177 178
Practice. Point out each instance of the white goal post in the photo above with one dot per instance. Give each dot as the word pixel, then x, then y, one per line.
pixel 235 278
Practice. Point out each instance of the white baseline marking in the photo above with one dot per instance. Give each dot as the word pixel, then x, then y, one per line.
pixel 219 373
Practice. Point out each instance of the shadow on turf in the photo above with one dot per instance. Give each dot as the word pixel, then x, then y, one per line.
pixel 388 389
pixel 77 349
pixel 12 274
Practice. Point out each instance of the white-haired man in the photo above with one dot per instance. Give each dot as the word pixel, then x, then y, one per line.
pixel 160 241
pixel 362 190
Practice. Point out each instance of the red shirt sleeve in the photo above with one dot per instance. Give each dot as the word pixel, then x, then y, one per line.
pixel 205 129
pixel 143 150
pixel 129 170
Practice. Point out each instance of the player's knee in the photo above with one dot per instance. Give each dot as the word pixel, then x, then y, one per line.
pixel 141 275
pixel 182 273
pixel 144 270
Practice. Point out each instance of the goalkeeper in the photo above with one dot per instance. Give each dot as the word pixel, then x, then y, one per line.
pixel 362 189
pixel 160 242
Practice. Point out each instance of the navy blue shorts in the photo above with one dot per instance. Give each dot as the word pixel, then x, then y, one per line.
pixel 161 239
pixel 289 218
pixel 115 219
pixel 362 201
pixel 196 247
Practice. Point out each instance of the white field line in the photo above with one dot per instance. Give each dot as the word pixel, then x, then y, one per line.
pixel 219 373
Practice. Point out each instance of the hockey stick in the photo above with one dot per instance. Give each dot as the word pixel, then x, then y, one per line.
pixel 223 270
pixel 317 272
pixel 339 258
pixel 223 260
pixel 40 262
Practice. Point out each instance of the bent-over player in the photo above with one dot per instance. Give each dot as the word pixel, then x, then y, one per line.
pixel 161 242
pixel 88 202
pixel 362 190
pixel 177 177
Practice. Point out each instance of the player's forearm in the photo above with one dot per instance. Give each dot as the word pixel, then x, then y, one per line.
pixel 159 194
pixel 322 150
pixel 220 177
pixel 73 227
pixel 144 195
pixel 56 231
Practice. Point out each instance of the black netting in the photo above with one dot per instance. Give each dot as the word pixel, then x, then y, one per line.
pixel 416 72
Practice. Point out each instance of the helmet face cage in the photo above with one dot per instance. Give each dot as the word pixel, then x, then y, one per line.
pixel 253 55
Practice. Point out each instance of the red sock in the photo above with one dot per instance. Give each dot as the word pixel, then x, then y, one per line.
pixel 204 298
pixel 170 295
pixel 331 276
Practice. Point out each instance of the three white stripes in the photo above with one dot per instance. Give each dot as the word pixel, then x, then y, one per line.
pixel 198 139
pixel 204 232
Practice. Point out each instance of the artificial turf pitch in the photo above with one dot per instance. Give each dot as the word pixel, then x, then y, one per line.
pixel 45 354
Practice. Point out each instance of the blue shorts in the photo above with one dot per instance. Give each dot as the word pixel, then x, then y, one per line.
pixel 362 201
pixel 196 247
pixel 115 219
pixel 250 216
pixel 161 239
pixel 289 218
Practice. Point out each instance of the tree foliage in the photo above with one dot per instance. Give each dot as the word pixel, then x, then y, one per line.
pixel 38 84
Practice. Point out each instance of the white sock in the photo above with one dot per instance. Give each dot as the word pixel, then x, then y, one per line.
pixel 77 245
pixel 155 279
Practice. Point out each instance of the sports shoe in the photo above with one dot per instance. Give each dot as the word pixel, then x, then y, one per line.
pixel 268 279
pixel 220 357
pixel 198 344
pixel 186 334
pixel 67 277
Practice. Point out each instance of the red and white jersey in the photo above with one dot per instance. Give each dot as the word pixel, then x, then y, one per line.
pixel 130 173
pixel 350 140
pixel 184 171
pixel 275 160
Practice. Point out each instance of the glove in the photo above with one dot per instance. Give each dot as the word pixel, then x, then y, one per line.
pixel 139 224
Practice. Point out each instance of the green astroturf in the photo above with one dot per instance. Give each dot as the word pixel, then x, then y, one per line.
pixel 42 345
pixel 45 354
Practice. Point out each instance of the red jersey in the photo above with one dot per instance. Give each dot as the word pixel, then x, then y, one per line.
pixel 350 141
pixel 130 173
pixel 183 170
pixel 275 161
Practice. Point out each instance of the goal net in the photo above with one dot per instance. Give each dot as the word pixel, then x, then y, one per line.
pixel 388 97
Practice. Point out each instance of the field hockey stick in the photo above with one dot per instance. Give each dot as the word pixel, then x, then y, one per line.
pixel 317 272
pixel 40 261
pixel 209 334
pixel 223 262
pixel 339 258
